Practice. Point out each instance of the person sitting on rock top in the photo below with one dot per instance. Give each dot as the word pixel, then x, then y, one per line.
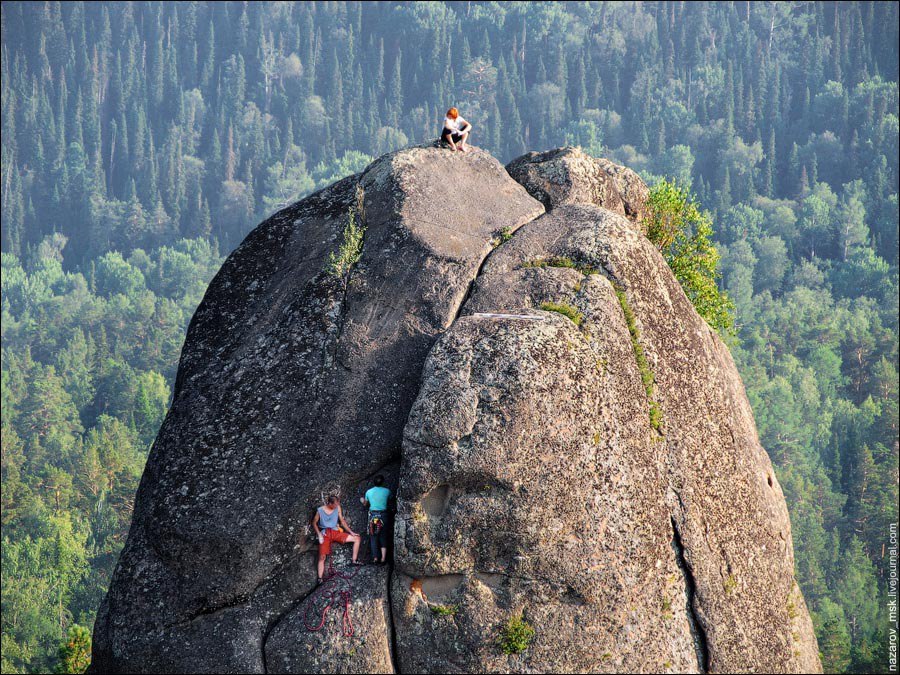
pixel 377 500
pixel 327 530
pixel 456 131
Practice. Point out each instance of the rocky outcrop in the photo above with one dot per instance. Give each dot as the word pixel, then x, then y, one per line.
pixel 536 437
pixel 293 382
pixel 532 479
pixel 600 527
pixel 569 176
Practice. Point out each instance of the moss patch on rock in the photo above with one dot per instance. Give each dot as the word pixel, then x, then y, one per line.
pixel 516 636
pixel 565 309
pixel 444 610
pixel 559 261
pixel 641 358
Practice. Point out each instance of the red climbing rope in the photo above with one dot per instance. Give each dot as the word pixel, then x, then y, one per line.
pixel 334 589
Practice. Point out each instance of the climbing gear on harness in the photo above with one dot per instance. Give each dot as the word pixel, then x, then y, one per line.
pixel 334 588
pixel 376 524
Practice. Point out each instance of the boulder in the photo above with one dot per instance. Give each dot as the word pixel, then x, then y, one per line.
pixel 629 544
pixel 570 176
pixel 355 629
pixel 632 188
pixel 587 464
pixel 293 382
pixel 532 488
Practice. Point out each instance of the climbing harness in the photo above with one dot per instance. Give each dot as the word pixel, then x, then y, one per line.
pixel 334 590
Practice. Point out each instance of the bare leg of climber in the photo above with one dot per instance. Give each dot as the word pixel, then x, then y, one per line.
pixel 462 143
pixel 449 139
pixel 355 538
pixel 321 568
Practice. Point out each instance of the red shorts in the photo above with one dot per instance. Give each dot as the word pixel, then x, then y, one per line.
pixel 332 535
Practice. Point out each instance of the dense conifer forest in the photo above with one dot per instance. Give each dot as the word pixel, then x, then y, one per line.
pixel 142 140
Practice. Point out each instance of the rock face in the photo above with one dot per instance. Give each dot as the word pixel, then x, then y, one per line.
pixel 598 527
pixel 530 479
pixel 293 383
pixel 569 176
pixel 525 456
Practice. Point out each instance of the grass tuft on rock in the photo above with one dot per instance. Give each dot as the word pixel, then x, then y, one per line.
pixel 516 636
pixel 641 358
pixel 565 309
pixel 559 261
pixel 444 610
pixel 504 234
pixel 350 250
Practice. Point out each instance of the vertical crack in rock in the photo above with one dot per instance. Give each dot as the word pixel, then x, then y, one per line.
pixel 468 293
pixel 359 211
pixel 262 650
pixel 481 265
pixel 395 655
pixel 275 620
pixel 698 631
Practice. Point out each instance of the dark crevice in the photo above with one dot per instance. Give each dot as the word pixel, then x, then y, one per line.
pixel 698 630
pixel 395 655
pixel 340 320
pixel 275 620
pixel 381 469
pixel 469 290
pixel 236 601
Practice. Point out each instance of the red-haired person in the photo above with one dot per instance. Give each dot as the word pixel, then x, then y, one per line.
pixel 330 526
pixel 456 130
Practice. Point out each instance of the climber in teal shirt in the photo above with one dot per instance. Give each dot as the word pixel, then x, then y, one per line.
pixel 377 500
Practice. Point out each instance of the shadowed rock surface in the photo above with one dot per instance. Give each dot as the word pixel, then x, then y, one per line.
pixel 531 481
pixel 293 382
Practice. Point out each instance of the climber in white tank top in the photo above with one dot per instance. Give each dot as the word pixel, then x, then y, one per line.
pixel 456 131
pixel 331 527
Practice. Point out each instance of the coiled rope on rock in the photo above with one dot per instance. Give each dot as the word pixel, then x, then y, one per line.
pixel 335 590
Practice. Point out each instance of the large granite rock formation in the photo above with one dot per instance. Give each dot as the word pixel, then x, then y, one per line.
pixel 530 482
pixel 569 176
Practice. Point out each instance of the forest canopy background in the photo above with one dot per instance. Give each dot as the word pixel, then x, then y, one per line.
pixel 142 141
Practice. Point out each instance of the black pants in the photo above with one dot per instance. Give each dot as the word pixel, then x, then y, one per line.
pixel 378 541
pixel 457 137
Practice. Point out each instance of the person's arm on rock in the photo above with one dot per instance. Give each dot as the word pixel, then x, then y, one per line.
pixel 316 527
pixel 344 522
